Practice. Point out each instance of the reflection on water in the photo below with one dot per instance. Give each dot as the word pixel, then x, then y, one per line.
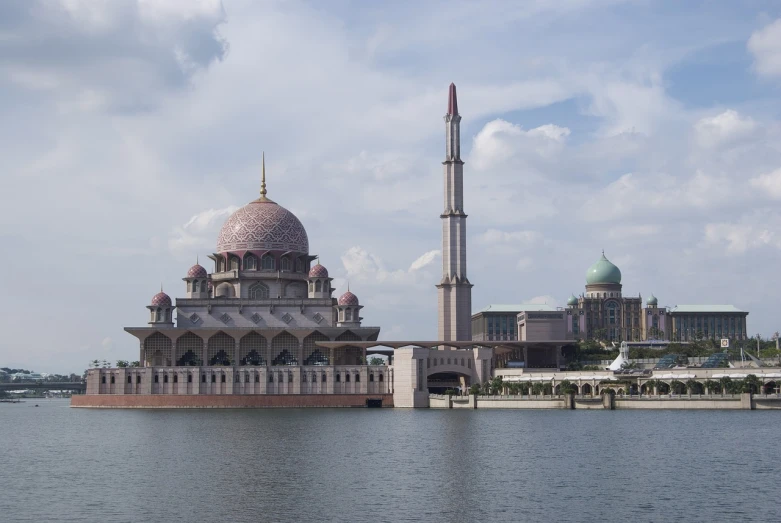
pixel 62 464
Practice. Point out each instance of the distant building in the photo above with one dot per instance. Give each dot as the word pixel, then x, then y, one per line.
pixel 604 312
pixel 711 321
pixel 499 322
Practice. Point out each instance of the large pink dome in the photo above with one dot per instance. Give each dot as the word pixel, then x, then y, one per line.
pixel 263 226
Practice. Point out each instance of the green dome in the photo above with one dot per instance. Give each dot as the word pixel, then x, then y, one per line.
pixel 572 300
pixel 603 272
pixel 652 301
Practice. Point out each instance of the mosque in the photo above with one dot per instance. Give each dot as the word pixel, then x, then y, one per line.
pixel 263 329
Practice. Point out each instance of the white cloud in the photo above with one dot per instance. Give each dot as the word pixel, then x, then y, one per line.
pixel 500 140
pixel 737 238
pixel 723 128
pixel 200 231
pixel 769 183
pixel 544 300
pixel 765 47
pixel 425 260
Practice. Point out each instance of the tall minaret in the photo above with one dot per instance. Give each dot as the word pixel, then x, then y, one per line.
pixel 455 291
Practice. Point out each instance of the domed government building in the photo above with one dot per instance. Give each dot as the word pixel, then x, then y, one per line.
pixel 604 312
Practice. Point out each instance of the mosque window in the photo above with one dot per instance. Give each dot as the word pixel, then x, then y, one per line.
pixel 357 378
pixel 222 378
pixel 462 362
pixel 103 380
pixel 285 263
pixel 299 265
pixel 157 379
pixel 271 377
pixel 448 361
pixel 257 378
pixel 138 378
pixel 234 263
pixel 338 377
pixel 290 377
pixel 348 314
pixel 258 291
pixel 435 362
pixel 428 363
pixel 165 378
pixel 250 263
pixel 441 361
pixel 469 364
pixel 189 378
pixel 176 378
pixel 371 378
pixel 112 380
pixel 323 378
pixel 267 262
pixel 130 380
pixel 237 378
pixel 318 286
pixel 203 378
pixel 347 377
pixel 214 378
pixel 380 376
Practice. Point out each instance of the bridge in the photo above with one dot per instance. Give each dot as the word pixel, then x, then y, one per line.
pixel 78 387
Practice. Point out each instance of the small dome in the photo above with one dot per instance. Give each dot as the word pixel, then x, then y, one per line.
pixel 161 299
pixel 318 271
pixel 652 301
pixel 196 271
pixel 603 272
pixel 348 298
pixel 572 301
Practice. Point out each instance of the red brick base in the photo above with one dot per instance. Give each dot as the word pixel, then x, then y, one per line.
pixel 156 401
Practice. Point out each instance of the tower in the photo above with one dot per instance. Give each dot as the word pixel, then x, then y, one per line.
pixel 454 290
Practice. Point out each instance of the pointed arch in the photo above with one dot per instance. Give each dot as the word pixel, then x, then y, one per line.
pixel 285 263
pixel 258 291
pixel 267 262
pixel 189 350
pixel 220 349
pixel 157 350
pixel 284 349
pixel 253 350
pixel 250 262
pixel 314 355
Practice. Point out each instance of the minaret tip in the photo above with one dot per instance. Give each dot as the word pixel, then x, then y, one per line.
pixel 452 100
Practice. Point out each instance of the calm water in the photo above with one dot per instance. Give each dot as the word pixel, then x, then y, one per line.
pixel 62 464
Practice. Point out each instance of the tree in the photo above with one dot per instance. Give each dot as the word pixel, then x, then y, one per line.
pixel 566 387
pixel 537 388
pixel 752 384
pixel 374 360
pixel 135 363
pixel 497 384
pixel 474 389
pixel 514 388
pixel 677 387
pixel 714 387
pixel 95 363
pixel 486 388
pixel 694 386
pixel 121 364
pixel 725 384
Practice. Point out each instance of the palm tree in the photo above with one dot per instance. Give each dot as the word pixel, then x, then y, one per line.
pixel 694 386
pixel 714 387
pixel 752 384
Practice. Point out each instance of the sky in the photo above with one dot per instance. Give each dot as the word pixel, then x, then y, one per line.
pixel 133 128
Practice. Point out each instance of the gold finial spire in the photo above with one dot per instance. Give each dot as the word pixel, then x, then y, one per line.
pixel 161 286
pixel 263 178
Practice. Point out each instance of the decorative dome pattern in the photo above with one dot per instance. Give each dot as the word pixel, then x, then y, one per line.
pixel 348 298
pixel 572 301
pixel 263 226
pixel 603 272
pixel 161 299
pixel 196 271
pixel 652 301
pixel 318 271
